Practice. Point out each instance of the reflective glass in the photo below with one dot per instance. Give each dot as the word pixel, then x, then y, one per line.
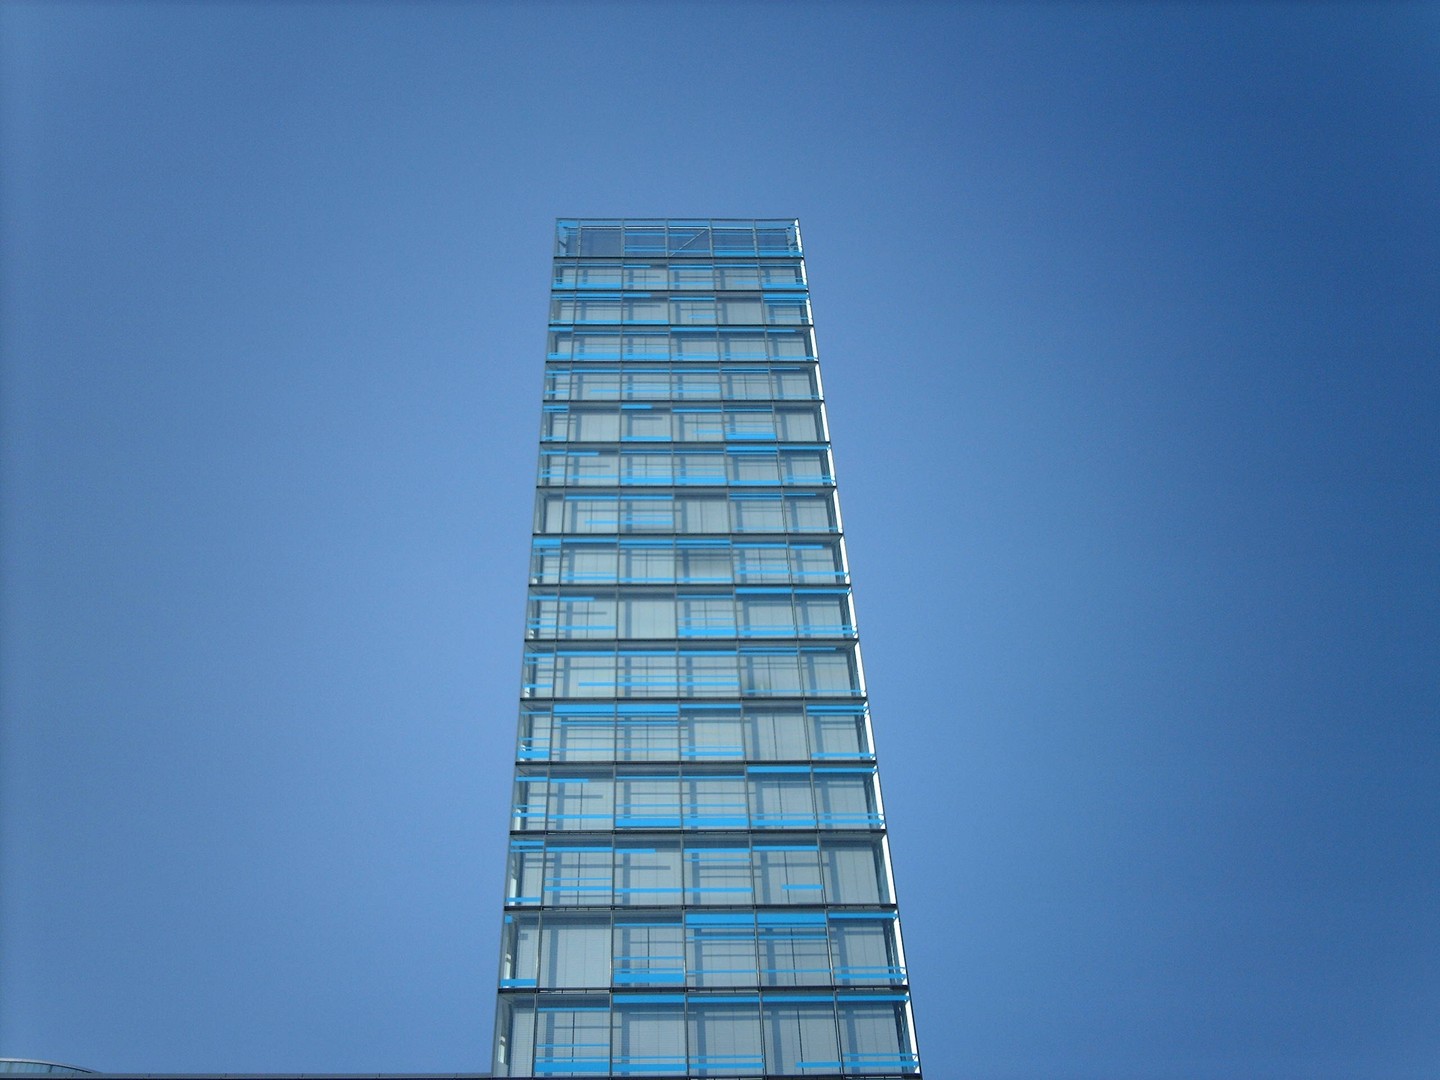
pixel 697 881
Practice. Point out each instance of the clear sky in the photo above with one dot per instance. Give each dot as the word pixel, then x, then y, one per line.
pixel 1130 323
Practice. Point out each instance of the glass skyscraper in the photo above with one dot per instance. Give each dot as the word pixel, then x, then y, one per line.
pixel 698 880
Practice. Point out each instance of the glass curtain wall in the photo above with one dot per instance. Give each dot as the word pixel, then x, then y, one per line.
pixel 698 882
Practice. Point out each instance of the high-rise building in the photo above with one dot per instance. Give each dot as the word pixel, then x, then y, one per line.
pixel 698 880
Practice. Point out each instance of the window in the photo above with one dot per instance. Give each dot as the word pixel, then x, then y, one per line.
pixel 648 1035
pixel 787 874
pixel 649 952
pixel 647 802
pixel 864 949
pixel 794 949
pixel 854 872
pixel 717 873
pixel 725 1038
pixel 875 1036
pixel 575 951
pixel 577 875
pixel 647 872
pixel 775 735
pixel 720 950
pixel 571 1035
pixel 800 1036
pixel 714 802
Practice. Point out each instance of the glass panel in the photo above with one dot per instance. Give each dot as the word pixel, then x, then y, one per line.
pixel 705 616
pixel 839 736
pixel 535 735
pixel 777 238
pixel 828 671
pixel 648 309
pixel 643 275
pixel 714 802
pixel 794 950
pixel 708 673
pixel 786 311
pixel 794 384
pixel 787 874
pixel 645 424
pixel 720 950
pixel 577 875
pixel 733 240
pixel 743 345
pixel 754 469
pixel 761 562
pixel 528 809
pixel 781 801
pixel 806 467
pixel 695 348
pixel 741 311
pixel 768 673
pixel 693 311
pixel 701 514
pixel 592 425
pixel 750 423
pixel 649 952
pixel 581 802
pixel 791 345
pixel 645 674
pixel 645 346
pixel 648 1038
pixel 640 515
pixel 711 736
pixel 697 385
pixel 854 872
pixel 725 1039
pixel 515 1036
pixel 590 275
pixel 700 467
pixel 595 345
pixel 776 735
pixel 584 675
pixel 800 1037
pixel 846 800
pixel 700 565
pixel 525 874
pixel 519 950
pixel 781 274
pixel 647 802
pixel 645 736
pixel 544 564
pixel 585 563
pixel 823 616
pixel 717 873
pixel 645 469
pixel 758 515
pixel 875 1038
pixel 865 951
pixel 738 275
pixel 599 242
pixel 797 425
pixel 647 872
pixel 644 241
pixel 816 564
pixel 583 737
pixel 575 951
pixel 766 615
pixel 572 1036
pixel 652 562
pixel 647 617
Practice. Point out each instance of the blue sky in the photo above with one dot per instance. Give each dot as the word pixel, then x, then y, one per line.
pixel 1129 324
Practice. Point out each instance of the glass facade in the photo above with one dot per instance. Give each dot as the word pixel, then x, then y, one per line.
pixel 698 882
